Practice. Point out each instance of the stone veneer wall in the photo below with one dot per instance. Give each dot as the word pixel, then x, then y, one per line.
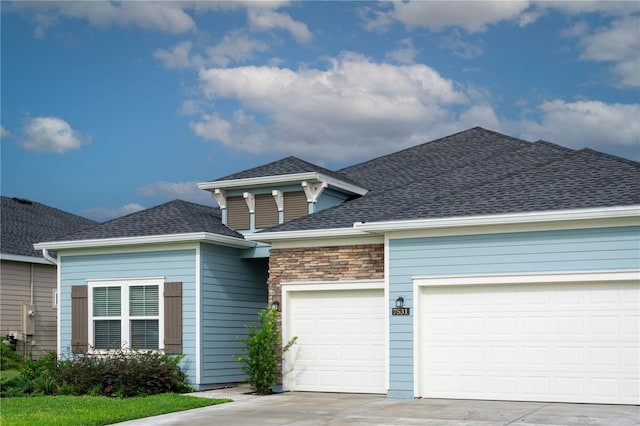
pixel 334 263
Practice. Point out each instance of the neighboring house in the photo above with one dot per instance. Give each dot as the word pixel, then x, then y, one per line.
pixel 473 266
pixel 27 279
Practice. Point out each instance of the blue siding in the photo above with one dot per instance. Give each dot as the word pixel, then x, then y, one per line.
pixel 173 265
pixel 233 291
pixel 525 252
pixel 330 198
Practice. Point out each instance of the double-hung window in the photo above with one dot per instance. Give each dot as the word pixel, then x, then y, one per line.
pixel 125 314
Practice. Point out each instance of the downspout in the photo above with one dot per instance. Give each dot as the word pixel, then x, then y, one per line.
pixel 46 255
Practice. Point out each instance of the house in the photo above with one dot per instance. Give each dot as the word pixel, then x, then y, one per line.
pixel 27 279
pixel 475 266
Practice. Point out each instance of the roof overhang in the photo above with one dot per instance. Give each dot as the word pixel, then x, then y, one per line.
pixel 25 259
pixel 525 219
pixel 503 219
pixel 310 234
pixel 205 237
pixel 294 178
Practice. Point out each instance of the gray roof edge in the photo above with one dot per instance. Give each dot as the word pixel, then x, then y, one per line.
pixel 24 259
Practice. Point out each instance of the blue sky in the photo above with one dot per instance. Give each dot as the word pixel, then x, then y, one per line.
pixel 111 107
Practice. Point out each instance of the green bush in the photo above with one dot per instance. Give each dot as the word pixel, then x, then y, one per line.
pixel 121 374
pixel 9 359
pixel 263 351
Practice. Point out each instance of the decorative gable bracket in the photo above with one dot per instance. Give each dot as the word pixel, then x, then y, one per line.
pixel 313 190
pixel 250 199
pixel 221 197
pixel 278 197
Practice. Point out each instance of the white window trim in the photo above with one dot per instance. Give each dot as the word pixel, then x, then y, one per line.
pixel 124 317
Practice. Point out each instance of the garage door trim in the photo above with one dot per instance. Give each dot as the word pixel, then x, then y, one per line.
pixel 498 279
pixel 299 286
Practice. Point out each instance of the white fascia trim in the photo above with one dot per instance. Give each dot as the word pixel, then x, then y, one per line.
pixel 150 239
pixel 529 278
pixel 26 259
pixel 336 183
pixel 502 219
pixel 314 233
pixel 290 178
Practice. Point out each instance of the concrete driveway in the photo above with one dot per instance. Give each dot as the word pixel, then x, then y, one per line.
pixel 310 408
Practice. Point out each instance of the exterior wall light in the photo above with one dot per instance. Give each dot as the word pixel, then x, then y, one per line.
pixel 275 305
pixel 400 302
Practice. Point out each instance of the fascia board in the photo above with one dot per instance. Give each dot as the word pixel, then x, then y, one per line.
pixel 314 233
pixel 258 181
pixel 26 259
pixel 502 219
pixel 151 239
pixel 279 179
pixel 336 183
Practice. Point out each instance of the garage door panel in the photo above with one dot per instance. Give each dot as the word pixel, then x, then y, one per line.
pixel 344 351
pixel 564 342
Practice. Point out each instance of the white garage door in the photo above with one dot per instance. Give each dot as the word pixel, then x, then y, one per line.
pixel 534 342
pixel 340 345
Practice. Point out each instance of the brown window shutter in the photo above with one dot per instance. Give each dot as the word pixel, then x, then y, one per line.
pixel 237 213
pixel 266 211
pixel 295 205
pixel 173 318
pixel 79 319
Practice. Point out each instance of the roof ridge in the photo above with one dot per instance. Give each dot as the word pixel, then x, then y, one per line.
pixel 468 163
pixel 555 145
pixel 610 156
pixel 433 142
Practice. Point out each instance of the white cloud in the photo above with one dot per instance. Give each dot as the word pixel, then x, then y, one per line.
pixel 166 17
pixel 476 16
pixel 102 214
pixel 459 47
pixel 191 107
pixel 473 16
pixel 235 47
pixel 4 133
pixel 42 22
pixel 212 127
pixel 405 53
pixel 620 44
pixel 586 124
pixel 338 112
pixel 356 108
pixel 187 191
pixel 262 19
pixel 608 7
pixel 178 57
pixel 377 18
pixel 51 134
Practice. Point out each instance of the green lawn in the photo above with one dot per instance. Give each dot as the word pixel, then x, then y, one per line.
pixel 92 410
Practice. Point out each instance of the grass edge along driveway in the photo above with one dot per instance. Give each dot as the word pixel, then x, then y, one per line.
pixel 93 410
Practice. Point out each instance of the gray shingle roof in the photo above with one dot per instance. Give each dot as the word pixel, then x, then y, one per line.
pixel 26 222
pixel 174 217
pixel 286 166
pixel 479 172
